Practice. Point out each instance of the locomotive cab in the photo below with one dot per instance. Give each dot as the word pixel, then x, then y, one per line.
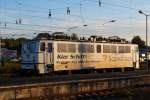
pixel 37 56
pixel 29 57
pixel 45 57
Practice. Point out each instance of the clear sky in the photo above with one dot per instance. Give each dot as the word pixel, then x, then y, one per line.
pixel 34 15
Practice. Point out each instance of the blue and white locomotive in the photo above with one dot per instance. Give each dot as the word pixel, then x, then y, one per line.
pixel 48 56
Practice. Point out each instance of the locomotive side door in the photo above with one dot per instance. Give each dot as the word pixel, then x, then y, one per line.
pixel 135 54
pixel 49 57
pixel 42 57
pixel 46 57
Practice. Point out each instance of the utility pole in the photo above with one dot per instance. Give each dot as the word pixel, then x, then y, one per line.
pixel 146 34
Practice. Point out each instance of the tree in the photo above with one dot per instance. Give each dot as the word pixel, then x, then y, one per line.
pixel 74 36
pixel 43 35
pixel 14 44
pixel 139 41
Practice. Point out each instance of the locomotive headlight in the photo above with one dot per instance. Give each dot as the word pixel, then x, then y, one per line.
pixel 143 55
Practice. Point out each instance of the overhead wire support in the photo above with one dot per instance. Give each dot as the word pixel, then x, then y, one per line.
pixel 50 13
pixel 68 11
pixel 81 13
pixel 16 21
pixel 99 3
pixel 114 5
pixel 19 20
pixel 42 17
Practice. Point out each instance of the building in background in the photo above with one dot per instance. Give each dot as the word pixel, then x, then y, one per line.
pixel 142 55
pixel 8 54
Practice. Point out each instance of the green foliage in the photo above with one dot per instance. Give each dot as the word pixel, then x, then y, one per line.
pixel 56 35
pixel 43 35
pixel 74 36
pixel 14 44
pixel 139 41
pixel 10 68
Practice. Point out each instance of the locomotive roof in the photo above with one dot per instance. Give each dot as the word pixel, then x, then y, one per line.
pixel 86 41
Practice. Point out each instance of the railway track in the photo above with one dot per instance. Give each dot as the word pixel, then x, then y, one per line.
pixel 55 87
pixel 62 78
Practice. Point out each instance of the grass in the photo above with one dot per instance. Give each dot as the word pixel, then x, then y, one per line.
pixel 10 68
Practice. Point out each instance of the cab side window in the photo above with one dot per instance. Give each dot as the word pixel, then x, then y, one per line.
pixel 49 47
pixel 42 46
pixel 98 48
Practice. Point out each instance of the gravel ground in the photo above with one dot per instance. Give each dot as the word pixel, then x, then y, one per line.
pixel 11 81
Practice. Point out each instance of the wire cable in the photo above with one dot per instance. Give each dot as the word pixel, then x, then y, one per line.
pixel 55 27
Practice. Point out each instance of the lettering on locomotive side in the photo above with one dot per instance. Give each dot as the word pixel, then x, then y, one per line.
pixel 77 56
pixel 116 58
pixel 61 56
pixel 76 62
pixel 74 59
